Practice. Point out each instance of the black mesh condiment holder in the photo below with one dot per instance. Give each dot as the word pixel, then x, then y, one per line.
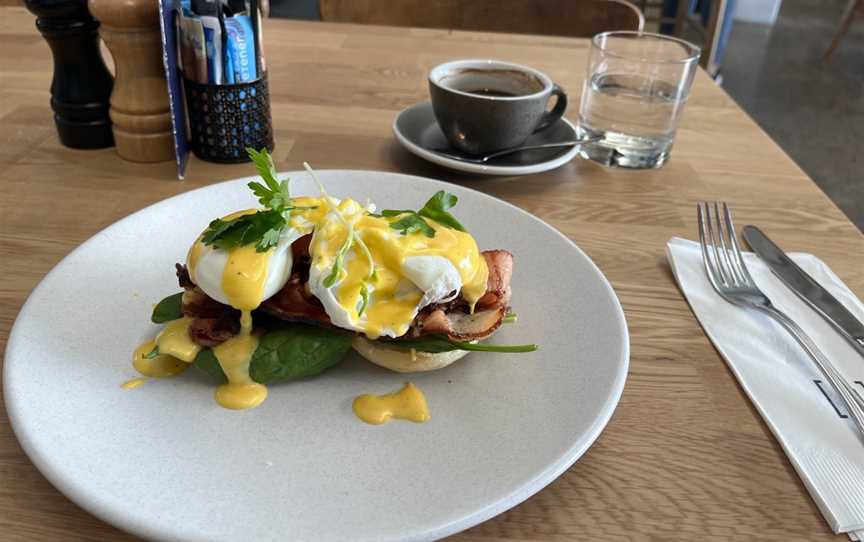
pixel 226 119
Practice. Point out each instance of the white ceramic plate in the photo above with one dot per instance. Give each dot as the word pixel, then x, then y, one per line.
pixel 417 130
pixel 165 462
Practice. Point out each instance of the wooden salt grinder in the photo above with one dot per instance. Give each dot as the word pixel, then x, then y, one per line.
pixel 139 102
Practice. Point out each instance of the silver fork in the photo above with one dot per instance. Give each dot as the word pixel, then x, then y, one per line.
pixel 729 276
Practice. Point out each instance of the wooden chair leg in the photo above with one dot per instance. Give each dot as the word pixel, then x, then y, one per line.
pixel 845 23
pixel 681 16
pixel 714 29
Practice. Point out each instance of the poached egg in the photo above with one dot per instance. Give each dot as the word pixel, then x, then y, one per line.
pixel 373 279
pixel 242 277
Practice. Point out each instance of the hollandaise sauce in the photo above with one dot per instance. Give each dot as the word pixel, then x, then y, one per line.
pixel 234 356
pixel 174 340
pixel 377 291
pixel 133 383
pixel 173 343
pixel 409 403
pixel 163 365
pixel 243 283
pixel 244 275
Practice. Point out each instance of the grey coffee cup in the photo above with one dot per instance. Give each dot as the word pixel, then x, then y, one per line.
pixel 484 106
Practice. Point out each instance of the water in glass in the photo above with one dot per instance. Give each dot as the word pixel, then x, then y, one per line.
pixel 635 115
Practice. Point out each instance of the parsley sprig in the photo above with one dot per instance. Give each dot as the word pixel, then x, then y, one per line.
pixel 275 195
pixel 436 209
pixel 262 228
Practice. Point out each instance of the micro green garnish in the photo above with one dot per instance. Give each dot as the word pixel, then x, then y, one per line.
pixel 436 209
pixel 351 239
pixel 365 250
pixel 152 354
pixel 364 288
pixel 262 228
pixel 510 318
pixel 364 296
pixel 339 263
pixel 324 193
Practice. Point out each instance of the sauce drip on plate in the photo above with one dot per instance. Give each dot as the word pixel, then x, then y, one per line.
pixel 132 384
pixel 409 403
pixel 234 356
pixel 161 366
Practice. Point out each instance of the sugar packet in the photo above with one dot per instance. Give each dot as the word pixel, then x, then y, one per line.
pixel 239 50
pixel 213 43
pixel 193 53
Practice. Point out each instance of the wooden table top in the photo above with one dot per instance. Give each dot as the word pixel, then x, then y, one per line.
pixel 685 454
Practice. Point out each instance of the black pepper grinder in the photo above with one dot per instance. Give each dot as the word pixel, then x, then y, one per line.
pixel 81 88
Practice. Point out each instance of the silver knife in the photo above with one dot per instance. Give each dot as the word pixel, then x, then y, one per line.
pixel 807 289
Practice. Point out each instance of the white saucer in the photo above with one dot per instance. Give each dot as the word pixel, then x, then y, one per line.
pixel 417 130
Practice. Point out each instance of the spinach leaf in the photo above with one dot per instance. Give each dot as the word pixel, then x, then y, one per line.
pixel 168 309
pixel 294 351
pixel 297 351
pixel 206 361
pixel 442 343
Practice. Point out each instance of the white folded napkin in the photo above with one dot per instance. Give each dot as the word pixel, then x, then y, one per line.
pixel 783 383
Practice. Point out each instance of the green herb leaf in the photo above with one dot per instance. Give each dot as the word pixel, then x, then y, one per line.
pixel 291 352
pixel 152 354
pixel 206 361
pixel 436 209
pixel 168 309
pixel 266 169
pixel 442 343
pixel 364 296
pixel 269 239
pixel 215 230
pixel 261 191
pixel 279 199
pixel 298 351
pixel 339 263
pixel 261 225
pixel 412 222
pixel 331 279
pixel 510 318
pixel 262 228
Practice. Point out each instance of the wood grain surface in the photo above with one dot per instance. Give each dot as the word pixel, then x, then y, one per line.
pixel 685 455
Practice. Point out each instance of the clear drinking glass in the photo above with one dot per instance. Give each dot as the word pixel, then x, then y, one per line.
pixel 635 90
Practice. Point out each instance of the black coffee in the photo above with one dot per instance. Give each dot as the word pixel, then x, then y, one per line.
pixel 491 92
pixel 495 83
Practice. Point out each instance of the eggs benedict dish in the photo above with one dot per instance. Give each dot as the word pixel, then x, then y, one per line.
pixel 286 290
